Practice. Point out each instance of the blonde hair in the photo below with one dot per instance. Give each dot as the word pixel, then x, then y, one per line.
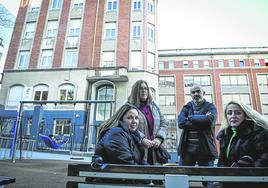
pixel 250 113
pixel 134 97
pixel 114 120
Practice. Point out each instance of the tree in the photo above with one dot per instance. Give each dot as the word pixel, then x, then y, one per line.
pixel 6 20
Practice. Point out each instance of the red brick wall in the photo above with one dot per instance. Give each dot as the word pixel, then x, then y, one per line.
pixel 85 57
pixel 38 35
pixel 59 49
pixel 16 36
pixel 98 36
pixel 123 35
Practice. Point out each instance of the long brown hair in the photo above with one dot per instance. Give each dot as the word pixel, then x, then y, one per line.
pixel 114 120
pixel 134 97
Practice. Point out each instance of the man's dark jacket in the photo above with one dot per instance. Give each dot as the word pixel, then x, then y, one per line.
pixel 204 123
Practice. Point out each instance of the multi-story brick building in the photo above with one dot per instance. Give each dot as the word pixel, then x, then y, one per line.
pixel 225 74
pixel 77 50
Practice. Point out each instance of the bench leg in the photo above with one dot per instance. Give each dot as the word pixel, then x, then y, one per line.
pixel 181 181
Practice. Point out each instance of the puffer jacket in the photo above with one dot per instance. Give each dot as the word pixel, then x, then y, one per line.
pixel 251 140
pixel 120 146
pixel 204 123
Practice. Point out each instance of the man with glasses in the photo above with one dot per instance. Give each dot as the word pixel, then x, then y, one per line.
pixel 197 119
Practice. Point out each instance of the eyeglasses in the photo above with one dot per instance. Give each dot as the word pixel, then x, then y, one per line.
pixel 143 88
pixel 196 91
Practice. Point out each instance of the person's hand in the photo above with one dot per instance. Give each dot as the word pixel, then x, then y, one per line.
pixel 148 143
pixel 157 142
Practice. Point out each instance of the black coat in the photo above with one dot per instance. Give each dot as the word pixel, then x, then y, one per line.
pixel 251 140
pixel 120 146
pixel 204 124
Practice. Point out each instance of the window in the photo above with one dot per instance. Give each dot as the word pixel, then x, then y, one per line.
pixel 137 5
pixel 161 65
pixel 75 27
pixel 189 81
pixel 257 62
pixel 56 4
pixel 29 31
pixel 40 92
pixel 150 7
pixel 231 63
pixel 108 59
pixel 245 98
pixel 166 81
pixel 62 127
pixel 206 64
pixel 46 59
pixel 171 65
pixel 52 28
pixel 15 95
pixel 266 62
pixel 23 60
pixel 242 63
pixel 262 79
pixel 136 30
pixel 35 5
pixel 234 80
pixel 195 64
pixel 66 92
pixel 150 33
pixel 7 127
pixel 167 100
pixel 110 31
pixel 71 58
pixel 185 64
pixel 104 110
pixel 221 63
pixel 150 62
pixel 135 62
pixel 111 5
pixel 78 3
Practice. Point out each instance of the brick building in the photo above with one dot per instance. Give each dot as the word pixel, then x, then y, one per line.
pixel 77 50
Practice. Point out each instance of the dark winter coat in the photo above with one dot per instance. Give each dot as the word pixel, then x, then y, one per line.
pixel 251 140
pixel 120 146
pixel 204 124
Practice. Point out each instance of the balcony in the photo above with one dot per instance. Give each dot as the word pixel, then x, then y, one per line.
pixel 48 43
pixel 32 16
pixel 26 44
pixel 72 42
pixel 114 74
pixel 76 12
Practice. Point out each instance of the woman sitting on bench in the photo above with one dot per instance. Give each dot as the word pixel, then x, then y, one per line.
pixel 243 139
pixel 121 143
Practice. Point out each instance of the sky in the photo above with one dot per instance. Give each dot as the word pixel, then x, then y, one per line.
pixel 205 23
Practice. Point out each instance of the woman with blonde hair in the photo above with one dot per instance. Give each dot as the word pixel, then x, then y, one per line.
pixel 243 138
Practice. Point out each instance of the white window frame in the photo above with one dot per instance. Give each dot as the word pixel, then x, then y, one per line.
pixel 67 88
pixel 136 30
pixel 71 58
pixel 51 29
pixel 137 5
pixel 15 95
pixel 151 32
pixel 108 59
pixel 110 31
pixel 111 5
pixel 43 89
pixel 23 60
pixel 195 64
pixel 46 59
pixel 29 31
pixel 75 27
pixel 206 64
pixel 56 4
pixel 150 7
pixel 150 62
pixel 135 61
pixel 78 3
pixel 35 5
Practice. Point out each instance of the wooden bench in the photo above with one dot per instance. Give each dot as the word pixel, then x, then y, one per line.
pixel 172 176
pixel 5 180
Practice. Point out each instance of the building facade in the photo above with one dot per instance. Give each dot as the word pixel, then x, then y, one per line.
pixel 69 50
pixel 225 73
